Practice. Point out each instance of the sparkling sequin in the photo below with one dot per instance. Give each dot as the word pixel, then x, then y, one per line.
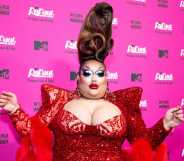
pixel 75 140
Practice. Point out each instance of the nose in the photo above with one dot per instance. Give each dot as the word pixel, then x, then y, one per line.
pixel 94 78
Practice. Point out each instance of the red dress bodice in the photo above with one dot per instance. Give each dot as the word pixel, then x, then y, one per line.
pixel 75 140
pixel 87 142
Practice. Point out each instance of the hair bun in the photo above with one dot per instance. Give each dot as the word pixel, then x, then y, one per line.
pixel 95 40
pixel 105 13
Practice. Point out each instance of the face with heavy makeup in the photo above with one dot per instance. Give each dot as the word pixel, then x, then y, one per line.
pixel 92 79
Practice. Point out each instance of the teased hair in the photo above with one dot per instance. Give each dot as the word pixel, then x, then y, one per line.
pixel 95 40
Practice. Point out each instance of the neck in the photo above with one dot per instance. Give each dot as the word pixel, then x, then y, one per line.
pixel 88 98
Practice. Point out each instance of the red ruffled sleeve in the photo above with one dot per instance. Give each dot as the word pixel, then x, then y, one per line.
pixel 141 150
pixel 36 137
pixel 136 128
pixel 52 99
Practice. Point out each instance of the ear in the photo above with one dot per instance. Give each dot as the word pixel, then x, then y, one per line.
pixel 77 76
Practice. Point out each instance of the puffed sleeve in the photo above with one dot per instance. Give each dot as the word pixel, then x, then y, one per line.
pixel 52 99
pixel 136 128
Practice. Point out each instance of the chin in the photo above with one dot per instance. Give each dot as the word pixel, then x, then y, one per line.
pixel 95 94
pixel 94 97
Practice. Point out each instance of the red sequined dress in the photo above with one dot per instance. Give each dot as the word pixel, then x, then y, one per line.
pixel 77 141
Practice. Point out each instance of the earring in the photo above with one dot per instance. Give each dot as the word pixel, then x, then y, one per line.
pixel 78 91
pixel 109 93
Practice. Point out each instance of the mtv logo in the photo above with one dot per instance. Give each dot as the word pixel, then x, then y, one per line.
pixel 4 73
pixel 73 75
pixel 163 53
pixel 40 45
pixel 136 77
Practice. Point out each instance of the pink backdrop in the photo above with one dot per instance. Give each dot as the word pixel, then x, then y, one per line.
pixel 38 45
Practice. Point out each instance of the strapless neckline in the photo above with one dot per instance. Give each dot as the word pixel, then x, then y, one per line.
pixel 91 125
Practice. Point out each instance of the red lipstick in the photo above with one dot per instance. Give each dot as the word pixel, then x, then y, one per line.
pixel 93 86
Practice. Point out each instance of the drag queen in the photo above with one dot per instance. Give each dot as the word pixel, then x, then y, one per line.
pixel 90 123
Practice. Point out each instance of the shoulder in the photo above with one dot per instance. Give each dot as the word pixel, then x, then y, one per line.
pixel 129 96
pixel 51 92
pixel 47 88
pixel 129 92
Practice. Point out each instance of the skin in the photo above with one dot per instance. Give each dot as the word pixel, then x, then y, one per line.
pixel 84 82
pixel 173 116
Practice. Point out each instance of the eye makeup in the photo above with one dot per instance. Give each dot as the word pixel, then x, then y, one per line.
pixel 89 73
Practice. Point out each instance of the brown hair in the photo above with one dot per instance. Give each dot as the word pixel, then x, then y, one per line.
pixel 95 40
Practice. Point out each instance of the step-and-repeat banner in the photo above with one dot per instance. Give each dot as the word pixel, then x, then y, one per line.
pixel 38 45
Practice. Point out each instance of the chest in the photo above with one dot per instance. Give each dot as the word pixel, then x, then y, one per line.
pixel 92 112
pixel 99 117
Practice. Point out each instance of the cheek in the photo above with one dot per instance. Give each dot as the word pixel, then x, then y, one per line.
pixel 84 80
pixel 102 81
pixel 103 84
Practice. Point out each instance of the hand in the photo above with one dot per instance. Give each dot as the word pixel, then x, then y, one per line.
pixel 173 117
pixel 8 101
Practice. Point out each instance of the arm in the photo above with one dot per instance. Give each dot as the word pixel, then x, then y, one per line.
pixel 50 106
pixel 36 137
pixel 137 129
pixel 130 98
pixel 136 126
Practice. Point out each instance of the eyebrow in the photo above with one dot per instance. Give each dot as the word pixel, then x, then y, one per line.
pixel 98 68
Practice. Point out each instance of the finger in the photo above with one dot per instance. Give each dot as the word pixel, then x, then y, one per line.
pixel 180 119
pixel 3 97
pixel 10 94
pixel 7 95
pixel 179 115
pixel 179 112
pixel 2 104
pixel 175 109
pixel 3 100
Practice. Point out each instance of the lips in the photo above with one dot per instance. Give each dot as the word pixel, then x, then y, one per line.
pixel 93 86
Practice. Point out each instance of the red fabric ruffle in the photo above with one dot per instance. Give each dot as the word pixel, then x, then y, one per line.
pixel 38 145
pixel 141 150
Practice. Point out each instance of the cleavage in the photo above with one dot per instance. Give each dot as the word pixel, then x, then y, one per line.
pixel 71 124
pixel 74 117
pixel 90 112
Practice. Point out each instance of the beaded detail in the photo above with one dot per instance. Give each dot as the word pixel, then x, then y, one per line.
pixel 75 140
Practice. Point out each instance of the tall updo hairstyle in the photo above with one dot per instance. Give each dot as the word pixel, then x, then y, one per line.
pixel 94 41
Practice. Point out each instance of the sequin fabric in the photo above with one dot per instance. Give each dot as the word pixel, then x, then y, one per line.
pixel 77 141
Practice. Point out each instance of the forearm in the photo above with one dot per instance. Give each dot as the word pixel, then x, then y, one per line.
pixel 21 121
pixel 155 135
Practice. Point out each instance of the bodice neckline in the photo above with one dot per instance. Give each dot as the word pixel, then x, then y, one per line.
pixel 90 125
